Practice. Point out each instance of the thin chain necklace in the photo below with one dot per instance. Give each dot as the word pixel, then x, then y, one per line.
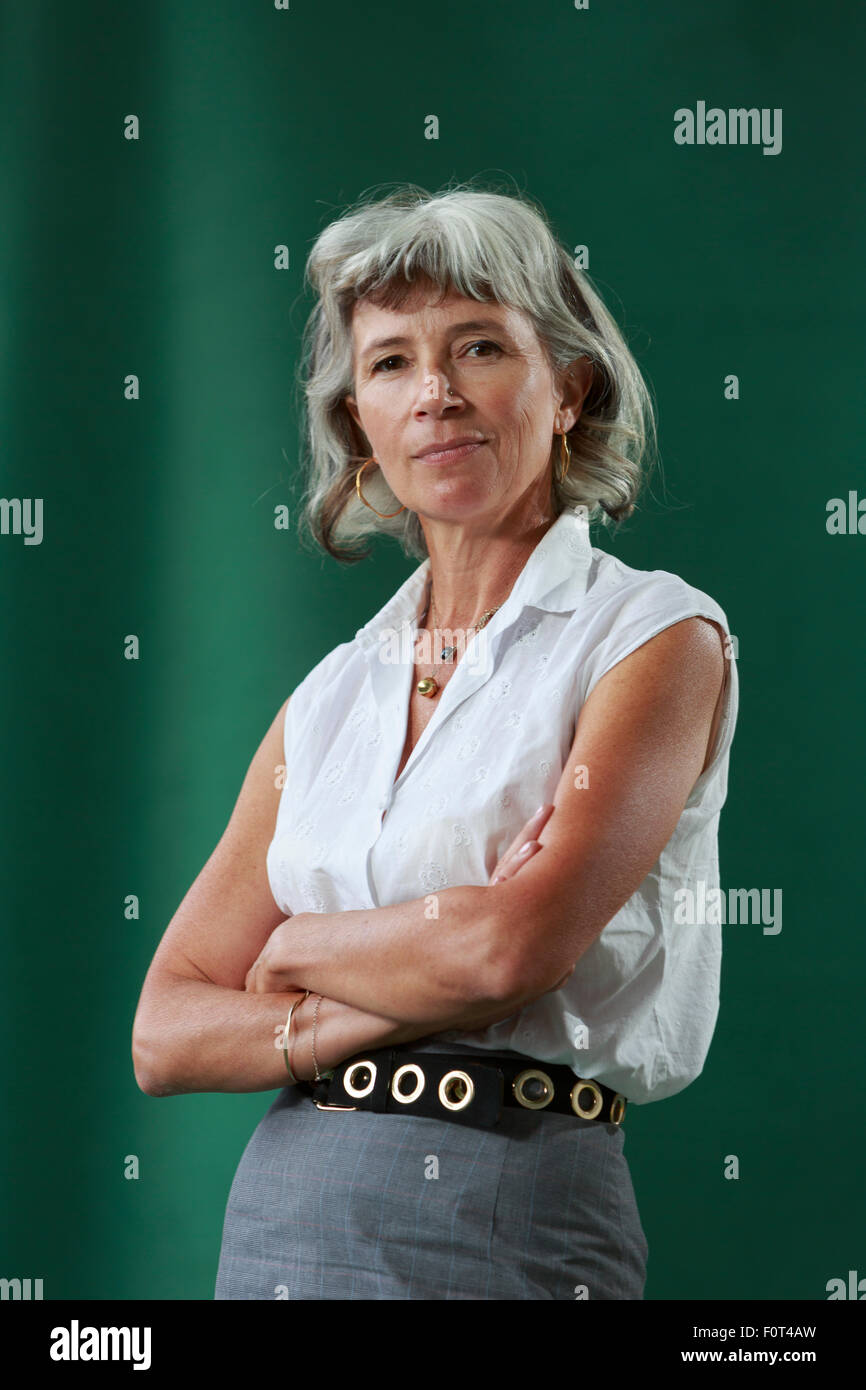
pixel 429 686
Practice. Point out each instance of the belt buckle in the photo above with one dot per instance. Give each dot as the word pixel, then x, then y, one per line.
pixel 323 1105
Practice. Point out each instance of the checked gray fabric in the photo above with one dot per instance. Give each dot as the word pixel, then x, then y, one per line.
pixel 352 1205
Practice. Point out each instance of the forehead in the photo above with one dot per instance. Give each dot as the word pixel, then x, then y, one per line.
pixel 428 311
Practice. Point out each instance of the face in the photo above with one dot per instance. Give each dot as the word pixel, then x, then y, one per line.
pixel 504 395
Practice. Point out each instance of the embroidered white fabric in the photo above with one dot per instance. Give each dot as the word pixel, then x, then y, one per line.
pixel 640 1009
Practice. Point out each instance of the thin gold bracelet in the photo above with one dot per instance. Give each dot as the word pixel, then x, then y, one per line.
pixel 286 1030
pixel 329 1071
pixel 313 1043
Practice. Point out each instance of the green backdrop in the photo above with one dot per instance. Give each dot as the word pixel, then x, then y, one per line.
pixel 155 257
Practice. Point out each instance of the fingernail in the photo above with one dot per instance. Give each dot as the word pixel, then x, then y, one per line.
pixel 524 849
pixel 540 809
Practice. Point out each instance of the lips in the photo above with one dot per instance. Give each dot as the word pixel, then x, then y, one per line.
pixel 448 449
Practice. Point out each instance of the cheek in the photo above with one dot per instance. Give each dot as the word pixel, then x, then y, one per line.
pixel 530 427
pixel 376 416
pixel 511 413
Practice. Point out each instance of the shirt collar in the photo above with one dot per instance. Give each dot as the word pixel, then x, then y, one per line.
pixel 553 579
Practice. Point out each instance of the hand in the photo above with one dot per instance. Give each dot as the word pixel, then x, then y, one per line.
pixel 513 859
pixel 270 972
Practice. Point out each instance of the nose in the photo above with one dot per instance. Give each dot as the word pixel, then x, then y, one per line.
pixel 434 390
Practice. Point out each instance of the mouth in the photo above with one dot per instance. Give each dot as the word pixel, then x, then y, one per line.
pixel 458 451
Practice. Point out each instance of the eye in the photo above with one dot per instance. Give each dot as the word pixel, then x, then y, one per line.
pixel 482 342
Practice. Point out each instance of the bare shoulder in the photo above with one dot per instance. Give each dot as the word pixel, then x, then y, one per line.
pixel 705 648
pixel 680 672
pixel 687 656
pixel 702 634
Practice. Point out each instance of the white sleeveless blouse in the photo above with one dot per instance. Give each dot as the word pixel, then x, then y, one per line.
pixel 639 1011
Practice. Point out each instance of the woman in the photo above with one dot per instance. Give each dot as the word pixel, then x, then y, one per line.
pixel 458 1022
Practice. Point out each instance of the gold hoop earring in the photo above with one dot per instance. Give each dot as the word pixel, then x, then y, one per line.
pixel 384 515
pixel 564 457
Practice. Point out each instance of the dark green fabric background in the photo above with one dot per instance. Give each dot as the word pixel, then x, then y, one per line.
pixel 155 257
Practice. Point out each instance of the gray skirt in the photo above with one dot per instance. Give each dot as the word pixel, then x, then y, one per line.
pixel 329 1204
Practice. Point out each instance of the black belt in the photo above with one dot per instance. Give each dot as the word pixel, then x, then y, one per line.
pixel 468 1088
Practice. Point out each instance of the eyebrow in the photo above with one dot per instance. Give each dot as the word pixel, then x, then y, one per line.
pixel 468 326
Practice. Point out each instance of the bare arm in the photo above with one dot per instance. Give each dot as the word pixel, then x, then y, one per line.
pixel 223 1039
pixel 196 1028
pixel 399 960
pixel 644 734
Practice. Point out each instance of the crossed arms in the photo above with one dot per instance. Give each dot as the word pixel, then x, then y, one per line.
pixel 229 964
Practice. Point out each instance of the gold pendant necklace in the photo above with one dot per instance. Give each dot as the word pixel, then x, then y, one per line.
pixel 429 686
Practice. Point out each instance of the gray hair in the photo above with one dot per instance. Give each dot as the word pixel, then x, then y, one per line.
pixel 487 246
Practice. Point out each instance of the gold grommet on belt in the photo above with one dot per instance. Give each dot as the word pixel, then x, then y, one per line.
pixel 576 1106
pixel 360 1088
pixel 617 1109
pixel 521 1082
pixel 420 1081
pixel 456 1090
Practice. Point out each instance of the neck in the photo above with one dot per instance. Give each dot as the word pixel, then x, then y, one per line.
pixel 474 572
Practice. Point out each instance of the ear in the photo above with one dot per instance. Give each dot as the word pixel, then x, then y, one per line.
pixel 362 443
pixel 352 407
pixel 575 382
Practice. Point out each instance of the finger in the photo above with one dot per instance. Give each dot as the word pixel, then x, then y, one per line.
pixel 512 866
pixel 530 831
pixel 510 863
